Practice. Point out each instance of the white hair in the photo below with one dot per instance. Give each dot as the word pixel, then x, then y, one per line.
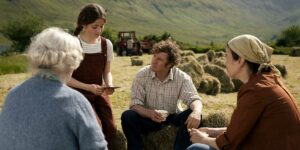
pixel 55 50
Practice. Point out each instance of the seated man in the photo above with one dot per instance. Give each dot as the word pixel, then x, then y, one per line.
pixel 159 87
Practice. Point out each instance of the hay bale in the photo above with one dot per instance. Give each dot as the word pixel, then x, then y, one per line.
pixel 215 120
pixel 186 59
pixel 282 69
pixel 220 54
pixel 211 55
pixel 120 142
pixel 203 59
pixel 209 85
pixel 193 69
pixel 136 61
pixel 219 61
pixel 220 73
pixel 295 52
pixel 187 53
pixel 160 140
pixel 237 84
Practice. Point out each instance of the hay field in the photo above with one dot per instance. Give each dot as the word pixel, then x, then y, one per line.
pixel 124 73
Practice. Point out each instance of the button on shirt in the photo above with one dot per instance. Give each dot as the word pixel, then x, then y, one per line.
pixel 149 91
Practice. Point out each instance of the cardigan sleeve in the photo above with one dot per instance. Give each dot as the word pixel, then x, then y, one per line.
pixel 247 113
pixel 89 133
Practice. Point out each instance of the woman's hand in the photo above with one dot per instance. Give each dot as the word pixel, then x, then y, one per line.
pixel 95 89
pixel 109 91
pixel 197 136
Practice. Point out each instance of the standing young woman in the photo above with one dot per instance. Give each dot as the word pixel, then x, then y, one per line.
pixel 95 67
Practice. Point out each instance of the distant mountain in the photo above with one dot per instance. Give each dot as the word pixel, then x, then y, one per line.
pixel 193 21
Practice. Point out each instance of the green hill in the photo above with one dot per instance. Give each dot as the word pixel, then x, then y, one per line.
pixel 193 21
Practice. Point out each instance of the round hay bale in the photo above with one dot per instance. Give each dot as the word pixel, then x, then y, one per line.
pixel 211 55
pixel 187 53
pixel 186 59
pixel 295 52
pixel 136 61
pixel 193 69
pixel 282 69
pixel 219 61
pixel 215 120
pixel 119 143
pixel 203 59
pixel 220 54
pixel 237 84
pixel 209 85
pixel 220 73
pixel 160 140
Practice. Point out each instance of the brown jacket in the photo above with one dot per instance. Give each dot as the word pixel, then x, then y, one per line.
pixel 266 117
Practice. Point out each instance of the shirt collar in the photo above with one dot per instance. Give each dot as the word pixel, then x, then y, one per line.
pixel 169 77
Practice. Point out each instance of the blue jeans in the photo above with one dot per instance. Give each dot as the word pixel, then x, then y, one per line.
pixel 198 146
pixel 135 125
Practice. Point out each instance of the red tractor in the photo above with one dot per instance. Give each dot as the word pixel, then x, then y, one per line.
pixel 128 44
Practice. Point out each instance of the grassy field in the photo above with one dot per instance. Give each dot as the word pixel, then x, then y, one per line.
pixel 124 74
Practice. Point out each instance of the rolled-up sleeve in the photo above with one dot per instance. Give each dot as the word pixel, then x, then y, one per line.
pixel 188 92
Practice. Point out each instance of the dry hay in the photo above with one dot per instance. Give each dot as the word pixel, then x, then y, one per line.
pixel 220 73
pixel 119 142
pixel 220 61
pixel 295 51
pixel 186 59
pixel 282 69
pixel 211 55
pixel 187 53
pixel 209 85
pixel 215 120
pixel 136 61
pixel 162 139
pixel 193 69
pixel 203 59
pixel 220 54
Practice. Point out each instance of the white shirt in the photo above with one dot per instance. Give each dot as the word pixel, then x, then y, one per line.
pixel 96 48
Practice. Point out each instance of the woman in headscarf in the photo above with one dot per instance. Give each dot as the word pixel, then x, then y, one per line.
pixel 266 116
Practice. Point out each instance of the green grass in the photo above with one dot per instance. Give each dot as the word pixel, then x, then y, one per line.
pixel 13 64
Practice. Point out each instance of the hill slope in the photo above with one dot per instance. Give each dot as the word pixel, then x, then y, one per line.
pixel 193 21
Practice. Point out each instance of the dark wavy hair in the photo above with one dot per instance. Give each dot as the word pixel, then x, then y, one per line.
pixel 169 47
pixel 89 14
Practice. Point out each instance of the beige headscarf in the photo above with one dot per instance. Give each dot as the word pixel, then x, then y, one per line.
pixel 252 49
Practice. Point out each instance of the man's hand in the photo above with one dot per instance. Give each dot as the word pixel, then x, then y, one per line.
pixel 154 115
pixel 193 120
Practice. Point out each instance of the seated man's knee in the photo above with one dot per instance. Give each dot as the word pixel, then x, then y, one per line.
pixel 128 115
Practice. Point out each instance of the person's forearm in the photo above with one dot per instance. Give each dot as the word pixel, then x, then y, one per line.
pixel 77 84
pixel 108 79
pixel 196 106
pixel 142 111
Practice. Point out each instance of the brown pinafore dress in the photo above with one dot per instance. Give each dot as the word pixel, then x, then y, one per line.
pixel 91 71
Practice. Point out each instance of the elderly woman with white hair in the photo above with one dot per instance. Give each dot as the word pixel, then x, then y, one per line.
pixel 44 113
pixel 266 116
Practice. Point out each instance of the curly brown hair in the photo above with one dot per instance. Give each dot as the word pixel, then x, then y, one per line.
pixel 171 48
